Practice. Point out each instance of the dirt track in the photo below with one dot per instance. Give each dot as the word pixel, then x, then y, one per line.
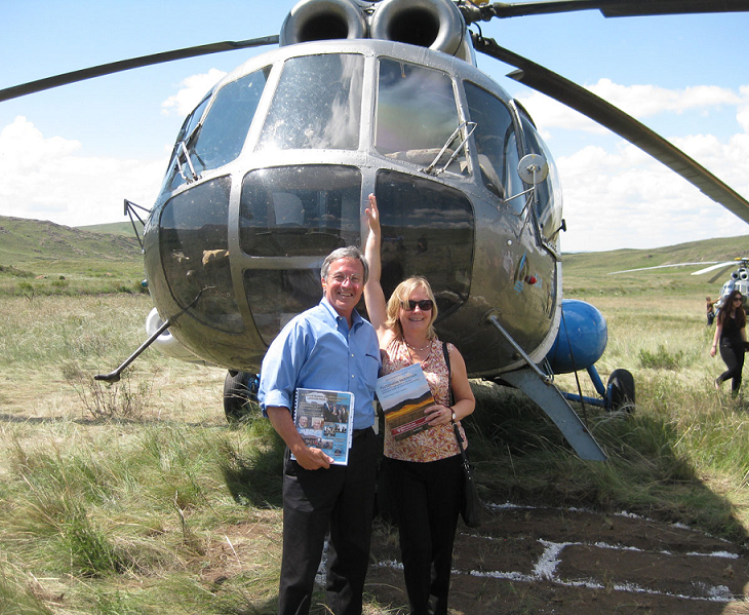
pixel 576 562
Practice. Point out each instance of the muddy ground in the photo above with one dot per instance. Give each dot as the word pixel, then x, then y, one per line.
pixel 577 562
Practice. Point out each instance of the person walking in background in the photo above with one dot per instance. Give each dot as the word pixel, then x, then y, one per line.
pixel 328 347
pixel 730 336
pixel 424 470
pixel 710 311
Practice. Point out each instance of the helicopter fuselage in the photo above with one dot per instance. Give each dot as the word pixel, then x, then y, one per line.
pixel 272 170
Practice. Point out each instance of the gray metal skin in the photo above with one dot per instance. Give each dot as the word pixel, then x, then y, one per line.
pixel 503 242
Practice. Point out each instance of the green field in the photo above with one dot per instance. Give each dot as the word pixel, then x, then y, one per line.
pixel 139 498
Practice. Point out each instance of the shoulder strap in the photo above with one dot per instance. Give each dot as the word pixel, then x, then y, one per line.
pixel 449 372
pixel 455 425
pixel 447 358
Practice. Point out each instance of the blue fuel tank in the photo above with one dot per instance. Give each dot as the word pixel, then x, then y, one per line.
pixel 581 340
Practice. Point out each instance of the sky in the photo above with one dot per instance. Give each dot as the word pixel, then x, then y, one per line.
pixel 72 154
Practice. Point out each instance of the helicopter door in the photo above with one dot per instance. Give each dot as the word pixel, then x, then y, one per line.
pixel 427 230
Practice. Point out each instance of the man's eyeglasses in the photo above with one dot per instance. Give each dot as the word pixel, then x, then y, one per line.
pixel 424 305
pixel 354 278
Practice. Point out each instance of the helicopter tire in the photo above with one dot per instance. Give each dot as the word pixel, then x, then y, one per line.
pixel 240 393
pixel 621 391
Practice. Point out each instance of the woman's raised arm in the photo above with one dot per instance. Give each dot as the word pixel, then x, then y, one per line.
pixel 374 296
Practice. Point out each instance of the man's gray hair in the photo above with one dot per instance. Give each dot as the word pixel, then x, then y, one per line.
pixel 346 252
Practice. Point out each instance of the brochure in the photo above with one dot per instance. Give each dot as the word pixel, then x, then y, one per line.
pixel 404 395
pixel 325 420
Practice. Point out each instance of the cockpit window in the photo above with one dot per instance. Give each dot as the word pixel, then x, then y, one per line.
pixel 427 229
pixel 306 210
pixel 416 115
pixel 496 146
pixel 194 248
pixel 549 205
pixel 219 137
pixel 193 119
pixel 317 104
pixel 174 177
pixel 225 128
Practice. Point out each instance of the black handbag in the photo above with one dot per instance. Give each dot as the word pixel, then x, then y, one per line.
pixel 471 507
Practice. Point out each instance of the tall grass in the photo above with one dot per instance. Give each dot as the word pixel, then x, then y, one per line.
pixel 139 498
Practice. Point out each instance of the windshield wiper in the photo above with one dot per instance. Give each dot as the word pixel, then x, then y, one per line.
pixel 430 169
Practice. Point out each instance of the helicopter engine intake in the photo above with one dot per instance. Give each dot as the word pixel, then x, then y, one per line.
pixel 320 20
pixel 435 24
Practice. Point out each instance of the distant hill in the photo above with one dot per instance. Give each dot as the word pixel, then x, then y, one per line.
pixel 115 228
pixel 721 249
pixel 45 247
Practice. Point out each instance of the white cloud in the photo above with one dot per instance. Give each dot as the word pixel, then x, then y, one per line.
pixel 647 100
pixel 548 114
pixel 625 199
pixel 639 101
pixel 743 114
pixel 50 179
pixel 617 196
pixel 192 92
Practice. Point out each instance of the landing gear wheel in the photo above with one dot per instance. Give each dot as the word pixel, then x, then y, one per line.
pixel 621 391
pixel 240 391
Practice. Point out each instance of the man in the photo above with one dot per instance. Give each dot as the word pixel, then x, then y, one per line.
pixel 329 347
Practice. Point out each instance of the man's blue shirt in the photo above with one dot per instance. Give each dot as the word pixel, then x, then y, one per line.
pixel 317 350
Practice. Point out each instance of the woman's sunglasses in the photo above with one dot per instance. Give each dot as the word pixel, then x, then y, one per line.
pixel 424 305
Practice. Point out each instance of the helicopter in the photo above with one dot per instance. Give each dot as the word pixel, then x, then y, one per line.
pixel 737 280
pixel 271 171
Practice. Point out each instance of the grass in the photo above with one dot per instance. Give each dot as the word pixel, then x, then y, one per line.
pixel 139 498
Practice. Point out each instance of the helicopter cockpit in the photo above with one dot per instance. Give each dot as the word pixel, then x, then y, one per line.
pixel 269 173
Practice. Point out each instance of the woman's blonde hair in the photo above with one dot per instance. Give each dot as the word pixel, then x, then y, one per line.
pixel 401 294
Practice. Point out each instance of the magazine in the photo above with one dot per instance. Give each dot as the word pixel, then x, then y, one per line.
pixel 325 420
pixel 404 395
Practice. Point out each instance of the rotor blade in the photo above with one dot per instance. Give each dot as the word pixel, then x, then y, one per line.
pixel 720 274
pixel 609 8
pixel 596 108
pixel 714 267
pixel 656 267
pixel 116 67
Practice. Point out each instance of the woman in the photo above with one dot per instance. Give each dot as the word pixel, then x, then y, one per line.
pixel 730 333
pixel 426 468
